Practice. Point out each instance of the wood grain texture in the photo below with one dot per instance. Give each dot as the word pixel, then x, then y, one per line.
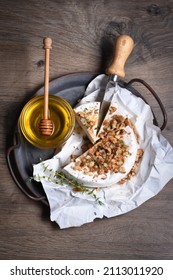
pixel 83 33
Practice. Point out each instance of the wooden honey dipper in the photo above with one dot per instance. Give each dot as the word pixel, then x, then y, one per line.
pixel 46 125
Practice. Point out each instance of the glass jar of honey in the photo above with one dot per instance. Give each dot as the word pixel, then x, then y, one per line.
pixel 61 114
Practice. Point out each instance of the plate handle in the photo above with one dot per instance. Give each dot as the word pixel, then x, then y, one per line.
pixel 165 118
pixel 9 161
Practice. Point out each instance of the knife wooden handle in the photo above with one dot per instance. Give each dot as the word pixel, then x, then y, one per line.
pixel 122 49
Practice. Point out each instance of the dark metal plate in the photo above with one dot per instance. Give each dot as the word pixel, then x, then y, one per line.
pixel 22 155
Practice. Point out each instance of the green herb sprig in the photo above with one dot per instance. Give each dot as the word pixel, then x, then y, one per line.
pixel 59 177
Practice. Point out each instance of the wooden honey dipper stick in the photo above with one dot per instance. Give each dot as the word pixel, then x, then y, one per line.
pixel 46 125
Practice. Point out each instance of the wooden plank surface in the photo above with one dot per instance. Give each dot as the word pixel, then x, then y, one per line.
pixel 83 33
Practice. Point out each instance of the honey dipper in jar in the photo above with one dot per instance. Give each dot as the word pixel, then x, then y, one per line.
pixel 46 124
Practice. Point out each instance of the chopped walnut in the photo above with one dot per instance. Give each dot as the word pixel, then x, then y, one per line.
pixel 134 130
pixel 122 169
pixel 74 157
pixel 86 147
pixel 134 168
pixel 112 109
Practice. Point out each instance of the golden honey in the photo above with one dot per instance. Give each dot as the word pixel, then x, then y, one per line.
pixel 60 112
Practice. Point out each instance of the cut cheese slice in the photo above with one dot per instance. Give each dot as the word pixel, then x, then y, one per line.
pixel 114 119
pixel 87 116
pixel 108 161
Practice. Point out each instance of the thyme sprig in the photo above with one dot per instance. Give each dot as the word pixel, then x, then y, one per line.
pixel 77 186
pixel 59 177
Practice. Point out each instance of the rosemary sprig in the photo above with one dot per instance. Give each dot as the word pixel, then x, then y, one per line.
pixel 59 177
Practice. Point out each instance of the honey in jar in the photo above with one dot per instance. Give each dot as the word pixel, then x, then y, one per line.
pixel 61 114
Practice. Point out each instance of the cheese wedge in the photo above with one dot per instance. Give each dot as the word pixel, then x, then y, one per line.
pixel 114 118
pixel 87 116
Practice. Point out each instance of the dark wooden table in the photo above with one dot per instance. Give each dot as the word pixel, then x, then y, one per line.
pixel 83 33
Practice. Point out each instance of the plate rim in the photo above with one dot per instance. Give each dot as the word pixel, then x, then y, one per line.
pixel 16 144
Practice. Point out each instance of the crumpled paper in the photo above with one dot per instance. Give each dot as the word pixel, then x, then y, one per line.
pixel 72 209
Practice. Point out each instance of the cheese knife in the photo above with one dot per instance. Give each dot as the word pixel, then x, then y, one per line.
pixel 123 47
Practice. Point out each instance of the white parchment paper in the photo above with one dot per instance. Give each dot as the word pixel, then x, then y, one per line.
pixel 72 209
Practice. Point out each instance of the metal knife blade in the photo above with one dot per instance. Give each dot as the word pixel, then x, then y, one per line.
pixel 122 48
